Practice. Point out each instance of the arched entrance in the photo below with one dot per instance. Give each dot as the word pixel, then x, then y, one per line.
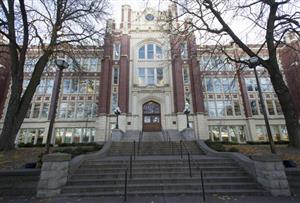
pixel 151 116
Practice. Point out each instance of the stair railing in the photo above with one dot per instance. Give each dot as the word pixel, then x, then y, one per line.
pixel 131 157
pixel 184 147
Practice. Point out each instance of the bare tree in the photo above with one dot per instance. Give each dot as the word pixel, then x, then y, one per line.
pixel 218 21
pixel 50 25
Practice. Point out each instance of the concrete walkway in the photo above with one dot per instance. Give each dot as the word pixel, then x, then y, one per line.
pixel 178 199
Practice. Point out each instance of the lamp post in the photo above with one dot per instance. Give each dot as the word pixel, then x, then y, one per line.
pixel 253 62
pixel 187 111
pixel 117 113
pixel 61 64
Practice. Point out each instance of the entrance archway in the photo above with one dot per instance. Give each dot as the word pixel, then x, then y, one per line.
pixel 151 116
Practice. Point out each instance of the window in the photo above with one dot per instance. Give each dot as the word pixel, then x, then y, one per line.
pixel 237 108
pixel 251 84
pixel 186 75
pixel 90 86
pixel 215 63
pixel 117 51
pixel 270 107
pixel 70 86
pixel 63 110
pixel 229 109
pixel 36 110
pixel 220 85
pixel 227 133
pixel 150 76
pixel 45 87
pixel 142 52
pixel 253 106
pixel 160 76
pixel 30 135
pixel 115 75
pixel 158 53
pixel 150 51
pixel 93 64
pixel 183 50
pixel 74 135
pixel 71 110
pixel 80 110
pixel 142 76
pixel 266 85
pixel 45 110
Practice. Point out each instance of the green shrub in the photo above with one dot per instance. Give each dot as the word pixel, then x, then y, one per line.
pixel 77 144
pixel 75 151
pixel 218 146
pixel 32 145
pixel 233 149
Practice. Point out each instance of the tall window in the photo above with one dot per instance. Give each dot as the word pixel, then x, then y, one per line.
pixel 222 97
pixel 117 51
pixel 115 75
pixel 215 63
pixel 150 51
pixel 151 76
pixel 186 75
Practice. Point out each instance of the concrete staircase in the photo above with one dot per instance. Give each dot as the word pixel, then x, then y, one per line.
pixel 159 170
pixel 153 148
pixel 163 175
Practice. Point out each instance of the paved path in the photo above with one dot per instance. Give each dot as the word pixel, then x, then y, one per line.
pixel 179 199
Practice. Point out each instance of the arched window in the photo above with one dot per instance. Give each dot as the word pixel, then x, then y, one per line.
pixel 150 51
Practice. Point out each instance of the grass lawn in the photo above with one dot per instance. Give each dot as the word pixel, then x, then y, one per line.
pixel 285 152
pixel 16 159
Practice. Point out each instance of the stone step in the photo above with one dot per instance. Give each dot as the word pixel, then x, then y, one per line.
pixel 120 180
pixel 150 160
pixel 163 186
pixel 97 175
pixel 160 169
pixel 154 166
pixel 245 192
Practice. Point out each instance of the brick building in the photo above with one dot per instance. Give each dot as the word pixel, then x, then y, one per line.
pixel 152 75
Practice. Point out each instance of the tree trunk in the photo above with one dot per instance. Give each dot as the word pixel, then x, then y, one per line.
pixel 287 105
pixel 10 130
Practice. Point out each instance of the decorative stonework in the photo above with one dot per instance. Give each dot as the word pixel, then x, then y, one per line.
pixel 54 174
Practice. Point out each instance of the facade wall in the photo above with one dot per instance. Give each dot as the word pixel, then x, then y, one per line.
pixel 171 70
pixel 4 75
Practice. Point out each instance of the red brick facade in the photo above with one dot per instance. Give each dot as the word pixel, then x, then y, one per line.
pixel 290 60
pixel 4 78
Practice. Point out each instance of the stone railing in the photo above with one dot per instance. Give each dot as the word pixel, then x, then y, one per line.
pixel 54 174
pixel 268 170
pixel 57 167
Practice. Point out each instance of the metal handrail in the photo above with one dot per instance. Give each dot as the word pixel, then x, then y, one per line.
pixel 132 154
pixel 182 144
